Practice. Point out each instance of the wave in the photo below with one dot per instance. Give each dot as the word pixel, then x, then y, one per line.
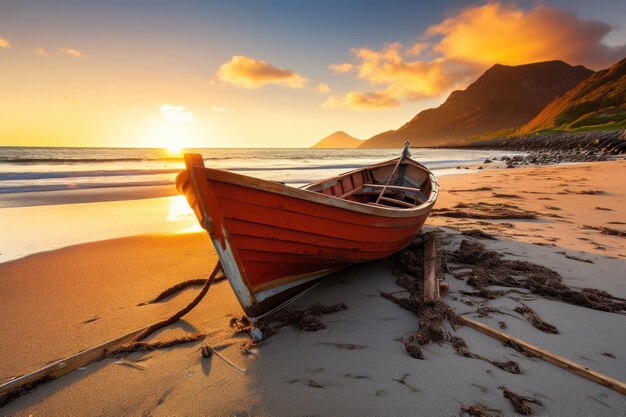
pixel 68 187
pixel 16 176
pixel 10 160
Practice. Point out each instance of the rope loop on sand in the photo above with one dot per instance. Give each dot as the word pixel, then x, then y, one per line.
pixel 172 319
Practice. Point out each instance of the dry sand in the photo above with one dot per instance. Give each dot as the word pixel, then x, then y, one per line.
pixel 49 301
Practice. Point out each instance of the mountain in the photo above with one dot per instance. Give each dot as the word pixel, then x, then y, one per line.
pixel 338 139
pixel 504 97
pixel 597 102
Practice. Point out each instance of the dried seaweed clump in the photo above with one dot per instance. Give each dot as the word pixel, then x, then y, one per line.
pixel 477 233
pixel 461 349
pixel 519 402
pixel 478 410
pixel 307 319
pixel 536 320
pixel 432 317
pixel 489 268
pixel 484 211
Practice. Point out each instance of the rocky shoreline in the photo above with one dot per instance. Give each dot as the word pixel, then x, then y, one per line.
pixel 606 142
pixel 556 148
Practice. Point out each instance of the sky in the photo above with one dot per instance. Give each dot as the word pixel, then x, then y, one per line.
pixel 178 74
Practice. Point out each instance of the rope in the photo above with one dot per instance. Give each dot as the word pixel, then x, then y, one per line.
pixel 159 325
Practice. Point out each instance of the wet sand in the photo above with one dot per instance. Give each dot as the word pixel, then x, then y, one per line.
pixel 57 303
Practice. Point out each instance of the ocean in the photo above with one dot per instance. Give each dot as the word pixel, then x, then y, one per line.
pixel 56 197
pixel 33 169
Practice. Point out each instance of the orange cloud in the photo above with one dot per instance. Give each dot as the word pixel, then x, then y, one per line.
pixel 468 42
pixel 72 52
pixel 409 79
pixel 5 44
pixel 341 68
pixel 505 34
pixel 321 88
pixel 40 51
pixel 357 100
pixel 245 72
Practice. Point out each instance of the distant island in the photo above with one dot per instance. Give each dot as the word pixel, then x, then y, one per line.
pixel 511 101
pixel 339 140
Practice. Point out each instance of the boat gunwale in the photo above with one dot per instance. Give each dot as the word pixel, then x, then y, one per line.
pixel 212 174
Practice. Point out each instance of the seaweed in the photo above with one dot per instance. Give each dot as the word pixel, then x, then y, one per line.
pixel 536 320
pixel 489 268
pixel 478 410
pixel 307 320
pixel 519 402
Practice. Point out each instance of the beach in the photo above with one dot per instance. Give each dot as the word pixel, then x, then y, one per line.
pixel 569 218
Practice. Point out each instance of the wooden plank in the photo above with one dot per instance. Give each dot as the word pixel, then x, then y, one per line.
pixel 393 187
pixel 349 193
pixel 67 365
pixel 396 201
pixel 431 287
pixel 547 356
pixel 389 179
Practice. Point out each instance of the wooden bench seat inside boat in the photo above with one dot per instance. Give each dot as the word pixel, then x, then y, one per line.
pixel 403 187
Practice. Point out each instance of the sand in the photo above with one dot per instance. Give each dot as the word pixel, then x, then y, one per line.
pixel 50 301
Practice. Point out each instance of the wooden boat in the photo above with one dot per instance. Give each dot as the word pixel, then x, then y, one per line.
pixel 274 241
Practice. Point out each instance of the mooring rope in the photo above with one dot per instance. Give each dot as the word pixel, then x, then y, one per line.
pixel 159 325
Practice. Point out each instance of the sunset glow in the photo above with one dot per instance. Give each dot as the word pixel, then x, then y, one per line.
pixel 205 85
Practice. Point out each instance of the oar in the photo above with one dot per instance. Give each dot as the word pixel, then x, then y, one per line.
pixel 405 153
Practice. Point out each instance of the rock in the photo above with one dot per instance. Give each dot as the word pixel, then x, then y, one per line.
pixel 207 352
pixel 487 161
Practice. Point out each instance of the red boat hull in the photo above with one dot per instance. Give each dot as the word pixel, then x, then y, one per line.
pixel 272 238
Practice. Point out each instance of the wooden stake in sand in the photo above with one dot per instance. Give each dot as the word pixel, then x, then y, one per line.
pixel 547 356
pixel 431 286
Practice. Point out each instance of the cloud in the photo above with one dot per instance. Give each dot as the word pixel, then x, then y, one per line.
pixel 417 49
pixel 245 72
pixel 219 109
pixel 321 88
pixel 341 68
pixel 176 113
pixel 72 52
pixel 453 52
pixel 505 34
pixel 40 51
pixel 5 44
pixel 357 100
pixel 409 79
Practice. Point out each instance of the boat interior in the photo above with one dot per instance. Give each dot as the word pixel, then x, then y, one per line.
pixel 404 185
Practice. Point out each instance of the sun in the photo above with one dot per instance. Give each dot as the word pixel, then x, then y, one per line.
pixel 174 149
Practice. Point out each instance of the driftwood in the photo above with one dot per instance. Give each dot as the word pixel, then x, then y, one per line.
pixel 64 366
pixel 118 345
pixel 547 356
pixel 430 264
